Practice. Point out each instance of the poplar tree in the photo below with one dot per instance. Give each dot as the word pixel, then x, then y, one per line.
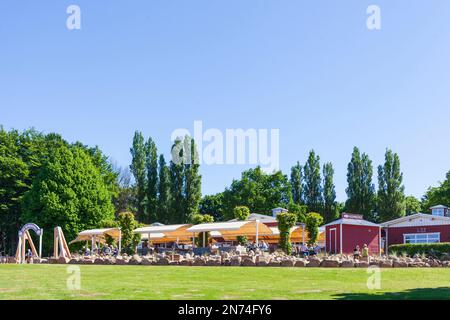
pixel 330 209
pixel 151 161
pixel 360 190
pixel 296 183
pixel 391 196
pixel 163 192
pixel 193 182
pixel 312 188
pixel 177 203
pixel 137 167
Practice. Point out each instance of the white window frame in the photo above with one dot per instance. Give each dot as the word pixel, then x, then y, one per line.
pixel 427 234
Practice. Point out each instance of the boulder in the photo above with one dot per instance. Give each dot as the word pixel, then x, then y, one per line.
pixel 146 261
pixel 121 261
pixel 434 263
pixel 99 261
pixel 63 260
pixel 400 264
pixel 329 263
pixel 262 261
pixel 274 263
pixel 287 263
pixel 226 262
pixel 235 261
pixel 186 262
pixel 248 262
pixel 300 263
pixel 162 262
pixel 385 264
pixel 213 263
pixel 446 264
pixel 313 263
pixel 53 260
pixel 361 264
pixel 347 264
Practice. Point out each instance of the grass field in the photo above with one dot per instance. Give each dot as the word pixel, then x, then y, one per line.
pixel 153 282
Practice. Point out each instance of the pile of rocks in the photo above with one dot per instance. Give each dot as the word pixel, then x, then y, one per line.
pixel 276 259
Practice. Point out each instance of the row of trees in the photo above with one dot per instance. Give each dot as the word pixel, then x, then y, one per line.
pixel 165 193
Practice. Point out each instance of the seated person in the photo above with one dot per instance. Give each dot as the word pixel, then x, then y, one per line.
pixel 365 251
pixel 356 253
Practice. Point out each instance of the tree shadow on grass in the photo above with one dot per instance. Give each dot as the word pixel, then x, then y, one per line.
pixel 441 293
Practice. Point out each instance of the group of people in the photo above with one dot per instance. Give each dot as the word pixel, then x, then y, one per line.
pixel 305 250
pixel 358 253
pixel 107 250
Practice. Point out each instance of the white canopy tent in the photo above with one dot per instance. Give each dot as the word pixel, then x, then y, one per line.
pixel 233 228
pixel 98 235
pixel 174 232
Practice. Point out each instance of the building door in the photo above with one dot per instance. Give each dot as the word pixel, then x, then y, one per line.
pixel 332 244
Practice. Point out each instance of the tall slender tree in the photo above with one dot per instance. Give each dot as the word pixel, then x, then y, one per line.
pixel 391 192
pixel 312 188
pixel 193 180
pixel 151 161
pixel 296 183
pixel 330 208
pixel 177 203
pixel 163 192
pixel 360 190
pixel 138 169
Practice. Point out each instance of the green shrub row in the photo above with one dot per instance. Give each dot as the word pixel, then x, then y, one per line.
pixel 435 249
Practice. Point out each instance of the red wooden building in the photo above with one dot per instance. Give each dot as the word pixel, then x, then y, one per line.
pixel 418 228
pixel 343 235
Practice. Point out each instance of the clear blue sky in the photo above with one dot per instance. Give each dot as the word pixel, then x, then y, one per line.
pixel 310 68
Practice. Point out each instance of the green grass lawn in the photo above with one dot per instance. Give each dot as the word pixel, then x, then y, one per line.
pixel 154 282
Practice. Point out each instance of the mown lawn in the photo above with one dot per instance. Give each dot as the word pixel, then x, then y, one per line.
pixel 179 283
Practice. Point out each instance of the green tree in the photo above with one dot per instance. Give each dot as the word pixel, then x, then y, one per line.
pixel 299 211
pixel 197 218
pixel 330 208
pixel 412 205
pixel 313 222
pixel 127 224
pixel 241 213
pixel 163 192
pixel 177 203
pixel 151 161
pixel 212 205
pixel 259 191
pixel 286 221
pixel 69 192
pixel 437 195
pixel 296 183
pixel 391 197
pixel 360 190
pixel 312 189
pixel 193 180
pixel 138 169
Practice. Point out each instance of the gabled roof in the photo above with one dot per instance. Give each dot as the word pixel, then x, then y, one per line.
pixel 354 222
pixel 418 219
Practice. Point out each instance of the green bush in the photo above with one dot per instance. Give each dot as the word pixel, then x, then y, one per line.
pixel 430 249
pixel 285 222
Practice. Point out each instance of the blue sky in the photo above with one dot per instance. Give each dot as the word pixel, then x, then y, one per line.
pixel 310 68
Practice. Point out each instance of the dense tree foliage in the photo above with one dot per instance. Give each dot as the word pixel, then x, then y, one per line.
pixel 197 218
pixel 192 180
pixel 360 190
pixel 437 195
pixel 330 207
pixel 127 223
pixel 259 191
pixel 286 221
pixel 296 183
pixel 391 197
pixel 138 169
pixel 69 192
pixel 212 205
pixel 163 212
pixel 412 205
pixel 313 222
pixel 312 187
pixel 151 163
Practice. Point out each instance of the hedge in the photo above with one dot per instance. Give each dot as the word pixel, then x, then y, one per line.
pixel 410 249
